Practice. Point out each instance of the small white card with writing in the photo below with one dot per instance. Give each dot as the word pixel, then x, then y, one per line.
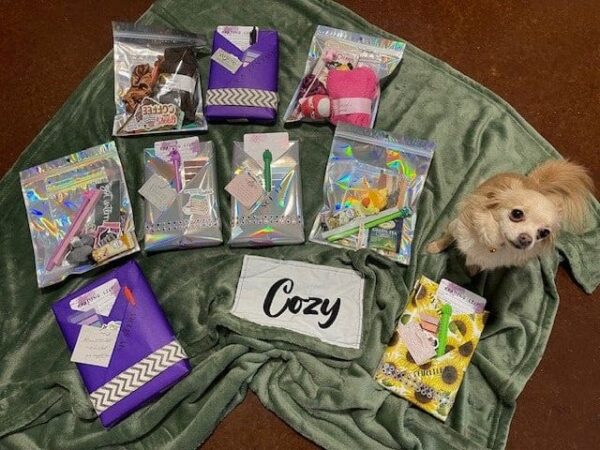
pixel 462 300
pixel 95 345
pixel 246 189
pixel 227 60
pixel 158 192
pixel 101 298
pixel 319 301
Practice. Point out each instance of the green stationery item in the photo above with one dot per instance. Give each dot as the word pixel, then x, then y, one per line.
pixel 443 329
pixel 267 158
pixel 368 222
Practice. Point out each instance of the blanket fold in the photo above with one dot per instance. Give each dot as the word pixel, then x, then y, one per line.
pixel 331 399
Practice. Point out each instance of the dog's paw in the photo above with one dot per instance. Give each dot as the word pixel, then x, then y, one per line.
pixel 435 247
pixel 473 269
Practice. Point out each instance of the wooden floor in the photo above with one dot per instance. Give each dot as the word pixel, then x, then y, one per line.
pixel 542 57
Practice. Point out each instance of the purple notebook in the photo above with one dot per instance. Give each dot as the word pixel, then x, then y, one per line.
pixel 125 349
pixel 242 82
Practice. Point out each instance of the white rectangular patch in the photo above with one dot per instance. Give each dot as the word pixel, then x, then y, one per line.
pixel 319 301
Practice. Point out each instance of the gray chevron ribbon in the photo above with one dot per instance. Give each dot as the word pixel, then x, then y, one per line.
pixel 242 97
pixel 136 376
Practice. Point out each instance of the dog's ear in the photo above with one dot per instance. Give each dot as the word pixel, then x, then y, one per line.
pixel 568 186
pixel 491 199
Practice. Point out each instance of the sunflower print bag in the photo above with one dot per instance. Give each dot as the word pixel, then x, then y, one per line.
pixel 431 386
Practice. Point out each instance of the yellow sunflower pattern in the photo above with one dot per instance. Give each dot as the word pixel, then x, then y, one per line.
pixel 433 385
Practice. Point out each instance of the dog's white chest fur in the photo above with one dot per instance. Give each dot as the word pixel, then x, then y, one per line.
pixel 486 248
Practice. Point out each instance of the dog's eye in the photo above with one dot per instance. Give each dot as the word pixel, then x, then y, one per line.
pixel 543 233
pixel 516 215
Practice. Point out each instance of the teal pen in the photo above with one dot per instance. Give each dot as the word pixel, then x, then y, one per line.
pixel 267 159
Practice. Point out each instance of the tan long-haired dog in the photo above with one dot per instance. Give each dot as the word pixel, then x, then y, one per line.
pixel 511 218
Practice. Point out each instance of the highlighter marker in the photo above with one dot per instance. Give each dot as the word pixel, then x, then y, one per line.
pixel 443 329
pixel 267 159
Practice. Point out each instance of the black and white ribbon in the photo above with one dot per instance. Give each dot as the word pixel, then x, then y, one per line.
pixel 136 376
pixel 242 97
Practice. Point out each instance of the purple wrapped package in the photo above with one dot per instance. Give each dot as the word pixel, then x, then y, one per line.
pixel 242 82
pixel 125 349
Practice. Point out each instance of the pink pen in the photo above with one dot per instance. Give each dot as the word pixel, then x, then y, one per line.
pixel 176 161
pixel 90 198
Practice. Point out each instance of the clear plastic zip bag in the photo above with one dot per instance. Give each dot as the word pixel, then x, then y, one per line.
pixel 276 217
pixel 372 185
pixel 341 79
pixel 186 168
pixel 157 80
pixel 79 213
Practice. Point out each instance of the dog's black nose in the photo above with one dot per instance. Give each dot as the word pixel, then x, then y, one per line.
pixel 525 240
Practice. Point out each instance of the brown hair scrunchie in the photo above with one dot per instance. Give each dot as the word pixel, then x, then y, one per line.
pixel 180 61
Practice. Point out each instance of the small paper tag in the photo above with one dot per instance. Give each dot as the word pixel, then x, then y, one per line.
pixel 101 298
pixel 197 206
pixel 256 143
pixel 419 343
pixel 227 60
pixel 158 192
pixel 95 345
pixel 246 189
pixel 461 300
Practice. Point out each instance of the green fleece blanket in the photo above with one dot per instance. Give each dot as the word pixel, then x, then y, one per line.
pixel 333 401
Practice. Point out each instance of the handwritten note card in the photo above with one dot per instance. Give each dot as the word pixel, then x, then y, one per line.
pixel 246 189
pixel 95 345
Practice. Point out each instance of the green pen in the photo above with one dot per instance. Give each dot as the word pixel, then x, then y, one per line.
pixel 368 222
pixel 443 329
pixel 267 159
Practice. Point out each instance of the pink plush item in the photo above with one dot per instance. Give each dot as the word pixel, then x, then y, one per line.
pixel 315 107
pixel 352 93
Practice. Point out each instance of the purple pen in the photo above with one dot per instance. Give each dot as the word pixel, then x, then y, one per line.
pixel 176 161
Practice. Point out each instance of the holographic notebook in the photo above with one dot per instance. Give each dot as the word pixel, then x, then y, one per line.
pixel 182 208
pixel 79 213
pixel 276 217
pixel 432 386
